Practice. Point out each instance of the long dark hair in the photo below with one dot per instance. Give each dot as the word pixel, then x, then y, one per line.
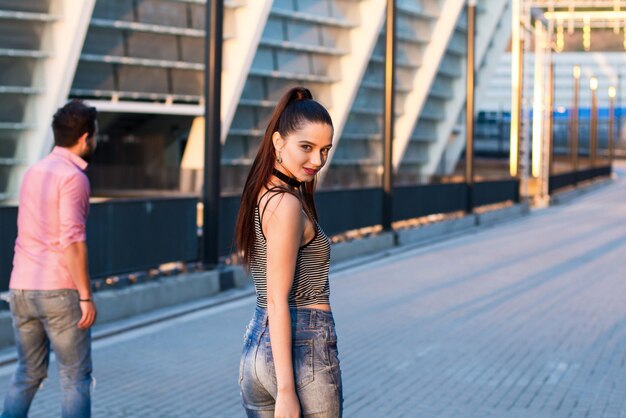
pixel 293 109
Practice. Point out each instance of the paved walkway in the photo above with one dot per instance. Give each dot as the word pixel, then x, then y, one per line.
pixel 525 319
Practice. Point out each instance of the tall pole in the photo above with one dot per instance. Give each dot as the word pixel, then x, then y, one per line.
pixel 538 105
pixel 593 129
pixel 390 52
pixel 212 132
pixel 611 125
pixel 520 114
pixel 575 119
pixel 619 115
pixel 550 119
pixel 469 108
pixel 516 88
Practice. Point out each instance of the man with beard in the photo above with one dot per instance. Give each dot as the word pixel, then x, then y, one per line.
pixel 50 293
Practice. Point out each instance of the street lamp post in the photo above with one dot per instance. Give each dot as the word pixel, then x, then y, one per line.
pixel 469 108
pixel 574 119
pixel 611 124
pixel 517 67
pixel 389 113
pixel 550 119
pixel 593 128
pixel 212 132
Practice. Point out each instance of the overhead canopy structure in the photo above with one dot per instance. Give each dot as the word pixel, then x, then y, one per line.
pixel 541 25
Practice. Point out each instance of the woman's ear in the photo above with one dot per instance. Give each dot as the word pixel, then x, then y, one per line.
pixel 278 141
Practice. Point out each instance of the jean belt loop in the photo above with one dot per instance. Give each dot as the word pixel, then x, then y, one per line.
pixel 312 318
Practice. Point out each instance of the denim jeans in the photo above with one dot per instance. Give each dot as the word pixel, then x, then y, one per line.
pixel 315 364
pixel 44 318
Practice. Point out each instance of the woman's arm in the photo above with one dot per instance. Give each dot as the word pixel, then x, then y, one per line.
pixel 283 226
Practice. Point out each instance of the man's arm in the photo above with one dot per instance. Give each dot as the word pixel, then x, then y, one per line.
pixel 73 211
pixel 76 260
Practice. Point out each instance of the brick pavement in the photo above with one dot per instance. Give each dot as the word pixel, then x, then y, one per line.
pixel 525 319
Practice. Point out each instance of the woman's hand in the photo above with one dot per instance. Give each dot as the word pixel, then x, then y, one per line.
pixel 287 405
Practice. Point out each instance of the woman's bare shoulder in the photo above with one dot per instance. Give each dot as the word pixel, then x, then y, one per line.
pixel 280 202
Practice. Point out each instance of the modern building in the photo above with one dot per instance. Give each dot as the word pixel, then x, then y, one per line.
pixel 141 63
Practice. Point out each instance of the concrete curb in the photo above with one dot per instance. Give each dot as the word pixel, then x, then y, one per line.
pixel 501 215
pixel 560 198
pixel 434 230
pixel 123 303
pixel 349 249
pixel 118 304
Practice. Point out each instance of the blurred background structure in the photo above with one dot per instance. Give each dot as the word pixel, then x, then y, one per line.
pixel 142 64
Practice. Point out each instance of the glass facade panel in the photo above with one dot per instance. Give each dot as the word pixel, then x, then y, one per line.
pixel 8 146
pixel 192 49
pixel 143 79
pixel 30 6
pixel 293 62
pixel 274 29
pixel 104 41
pixel 284 5
pixel 94 76
pixel 13 107
pixel 254 89
pixel 264 59
pixel 244 118
pixel 189 82
pixel 152 46
pixel 319 8
pixel 19 34
pixel 238 147
pixel 303 32
pixel 159 12
pixel 197 16
pixel 16 71
pixel 115 10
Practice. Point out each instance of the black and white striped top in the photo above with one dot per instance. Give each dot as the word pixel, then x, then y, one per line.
pixel 310 282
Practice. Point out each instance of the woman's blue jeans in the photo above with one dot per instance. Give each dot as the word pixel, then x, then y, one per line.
pixel 315 363
pixel 42 319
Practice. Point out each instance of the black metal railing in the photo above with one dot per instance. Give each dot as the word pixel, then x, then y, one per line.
pixel 123 235
pixel 126 235
pixel 345 210
pixel 569 179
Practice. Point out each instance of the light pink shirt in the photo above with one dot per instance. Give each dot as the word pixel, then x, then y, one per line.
pixel 53 208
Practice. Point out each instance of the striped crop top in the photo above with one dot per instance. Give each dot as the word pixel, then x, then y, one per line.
pixel 310 283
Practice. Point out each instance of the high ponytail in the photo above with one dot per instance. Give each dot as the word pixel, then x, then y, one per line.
pixel 293 109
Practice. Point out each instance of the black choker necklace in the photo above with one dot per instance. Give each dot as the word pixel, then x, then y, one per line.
pixel 284 177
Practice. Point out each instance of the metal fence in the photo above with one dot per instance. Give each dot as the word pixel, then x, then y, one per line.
pixel 123 235
pixel 560 181
pixel 126 235
pixel 345 210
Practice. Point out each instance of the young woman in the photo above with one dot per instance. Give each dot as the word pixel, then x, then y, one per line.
pixel 289 365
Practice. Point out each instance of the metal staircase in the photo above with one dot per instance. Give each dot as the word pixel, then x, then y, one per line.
pixel 39 46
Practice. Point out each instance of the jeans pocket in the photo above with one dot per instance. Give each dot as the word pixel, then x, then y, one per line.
pixel 332 353
pixel 61 309
pixel 332 357
pixel 302 356
pixel 303 362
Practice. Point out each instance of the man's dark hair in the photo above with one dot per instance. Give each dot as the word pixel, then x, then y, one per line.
pixel 71 121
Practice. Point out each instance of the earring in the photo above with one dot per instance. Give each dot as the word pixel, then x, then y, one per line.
pixel 279 159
